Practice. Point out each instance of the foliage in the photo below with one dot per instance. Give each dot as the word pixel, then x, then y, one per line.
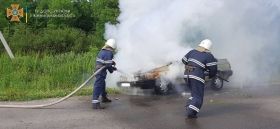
pixel 49 40
pixel 52 55
pixel 89 21
pixel 35 74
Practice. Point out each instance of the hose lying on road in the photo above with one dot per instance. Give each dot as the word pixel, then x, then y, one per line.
pixel 55 102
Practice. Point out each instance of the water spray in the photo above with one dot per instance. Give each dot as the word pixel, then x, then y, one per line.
pixel 123 73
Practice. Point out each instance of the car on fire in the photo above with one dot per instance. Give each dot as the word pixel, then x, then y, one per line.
pixel 154 80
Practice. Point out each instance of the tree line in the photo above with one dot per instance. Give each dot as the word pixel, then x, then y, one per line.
pixel 56 35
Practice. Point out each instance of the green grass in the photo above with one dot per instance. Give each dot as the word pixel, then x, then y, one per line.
pixel 45 76
pixel 18 95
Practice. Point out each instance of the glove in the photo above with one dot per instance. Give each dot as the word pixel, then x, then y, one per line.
pixel 114 63
pixel 114 68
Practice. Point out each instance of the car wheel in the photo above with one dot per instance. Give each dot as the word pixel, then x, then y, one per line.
pixel 217 84
pixel 163 86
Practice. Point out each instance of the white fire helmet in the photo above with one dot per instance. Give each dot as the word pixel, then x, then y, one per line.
pixel 111 43
pixel 206 43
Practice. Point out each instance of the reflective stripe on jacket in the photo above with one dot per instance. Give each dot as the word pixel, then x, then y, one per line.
pixel 201 61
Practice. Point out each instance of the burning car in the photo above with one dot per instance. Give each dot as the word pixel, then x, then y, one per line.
pixel 154 80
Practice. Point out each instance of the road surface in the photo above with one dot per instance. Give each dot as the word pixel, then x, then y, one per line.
pixel 231 108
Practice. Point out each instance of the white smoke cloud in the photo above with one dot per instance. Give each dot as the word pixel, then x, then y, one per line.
pixel 152 33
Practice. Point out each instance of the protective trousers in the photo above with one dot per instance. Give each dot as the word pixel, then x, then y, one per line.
pixel 99 87
pixel 197 93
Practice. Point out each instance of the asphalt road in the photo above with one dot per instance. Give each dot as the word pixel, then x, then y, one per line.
pixel 247 108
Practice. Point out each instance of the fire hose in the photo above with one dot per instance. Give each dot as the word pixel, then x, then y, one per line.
pixel 55 102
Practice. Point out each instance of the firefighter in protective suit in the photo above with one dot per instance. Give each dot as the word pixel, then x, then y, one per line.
pixel 198 62
pixel 104 58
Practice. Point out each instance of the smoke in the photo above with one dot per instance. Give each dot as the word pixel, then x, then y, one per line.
pixel 153 33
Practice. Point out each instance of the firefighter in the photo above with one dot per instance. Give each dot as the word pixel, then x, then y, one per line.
pixel 104 58
pixel 198 62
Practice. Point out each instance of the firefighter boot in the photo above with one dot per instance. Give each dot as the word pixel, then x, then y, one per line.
pixel 97 106
pixel 106 100
pixel 191 114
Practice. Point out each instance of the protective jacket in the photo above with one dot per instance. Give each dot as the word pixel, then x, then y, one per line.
pixel 197 63
pixel 104 58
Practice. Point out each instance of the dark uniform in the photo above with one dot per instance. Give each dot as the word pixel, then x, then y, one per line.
pixel 196 63
pixel 104 58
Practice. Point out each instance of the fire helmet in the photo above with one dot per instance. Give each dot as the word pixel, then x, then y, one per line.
pixel 111 43
pixel 206 43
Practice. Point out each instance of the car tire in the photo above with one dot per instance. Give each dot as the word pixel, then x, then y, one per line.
pixel 217 84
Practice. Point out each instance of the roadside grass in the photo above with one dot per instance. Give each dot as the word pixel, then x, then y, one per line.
pixel 39 76
pixel 17 95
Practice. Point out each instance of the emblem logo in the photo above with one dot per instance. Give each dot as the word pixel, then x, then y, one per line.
pixel 15 13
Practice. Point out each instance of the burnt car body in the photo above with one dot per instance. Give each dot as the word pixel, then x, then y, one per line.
pixel 153 81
